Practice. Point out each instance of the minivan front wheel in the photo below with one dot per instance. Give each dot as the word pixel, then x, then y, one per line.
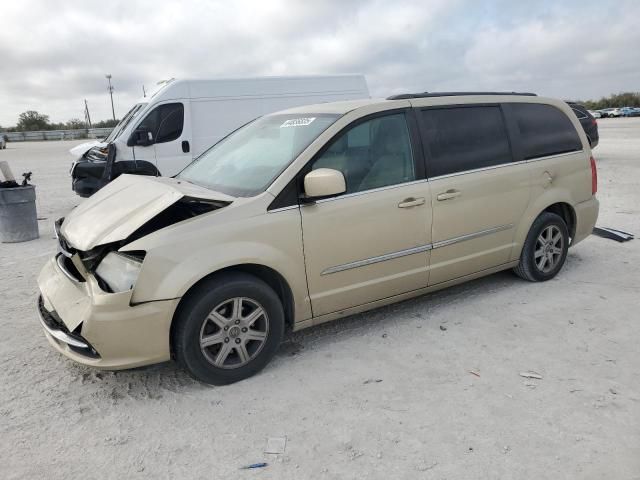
pixel 545 249
pixel 228 328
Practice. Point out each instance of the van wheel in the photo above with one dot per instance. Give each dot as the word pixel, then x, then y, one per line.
pixel 228 328
pixel 545 249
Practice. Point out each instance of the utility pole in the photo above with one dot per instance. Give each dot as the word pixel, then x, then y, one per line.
pixel 144 93
pixel 87 117
pixel 108 77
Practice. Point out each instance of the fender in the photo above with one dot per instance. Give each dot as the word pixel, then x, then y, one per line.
pixel 275 242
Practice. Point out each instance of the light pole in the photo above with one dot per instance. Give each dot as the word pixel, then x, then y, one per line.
pixel 108 77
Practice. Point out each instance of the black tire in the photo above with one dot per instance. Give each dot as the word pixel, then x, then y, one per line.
pixel 191 323
pixel 528 268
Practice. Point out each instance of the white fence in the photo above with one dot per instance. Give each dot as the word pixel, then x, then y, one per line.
pixel 98 133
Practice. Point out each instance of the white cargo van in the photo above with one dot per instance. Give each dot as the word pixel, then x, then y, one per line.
pixel 168 128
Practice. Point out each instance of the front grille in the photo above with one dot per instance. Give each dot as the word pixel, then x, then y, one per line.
pixel 64 247
pixel 51 318
pixel 53 322
pixel 69 269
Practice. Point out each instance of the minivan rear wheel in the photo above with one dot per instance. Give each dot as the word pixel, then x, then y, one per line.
pixel 228 328
pixel 545 249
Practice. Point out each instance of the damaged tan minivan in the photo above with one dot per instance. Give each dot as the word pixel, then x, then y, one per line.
pixel 311 214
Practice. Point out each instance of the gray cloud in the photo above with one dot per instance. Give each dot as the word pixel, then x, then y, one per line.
pixel 54 56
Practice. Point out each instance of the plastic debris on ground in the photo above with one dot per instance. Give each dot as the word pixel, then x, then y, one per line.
pixel 613 234
pixel 372 380
pixel 276 445
pixel 531 375
pixel 254 465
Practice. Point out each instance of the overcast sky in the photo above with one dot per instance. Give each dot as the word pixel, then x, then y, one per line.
pixel 55 54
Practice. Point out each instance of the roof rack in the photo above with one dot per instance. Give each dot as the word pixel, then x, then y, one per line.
pixel 405 96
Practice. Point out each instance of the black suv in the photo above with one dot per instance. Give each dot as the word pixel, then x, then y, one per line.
pixel 589 124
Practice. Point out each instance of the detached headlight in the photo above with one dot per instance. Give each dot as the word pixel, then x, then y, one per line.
pixel 97 154
pixel 120 270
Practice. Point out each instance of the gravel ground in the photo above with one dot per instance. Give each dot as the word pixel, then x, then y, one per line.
pixel 385 394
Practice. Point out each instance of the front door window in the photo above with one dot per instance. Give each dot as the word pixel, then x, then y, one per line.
pixel 376 153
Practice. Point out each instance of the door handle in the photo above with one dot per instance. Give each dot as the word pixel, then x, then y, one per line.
pixel 185 146
pixel 411 202
pixel 448 195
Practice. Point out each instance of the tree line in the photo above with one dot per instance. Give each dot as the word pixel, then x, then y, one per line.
pixel 31 121
pixel 617 100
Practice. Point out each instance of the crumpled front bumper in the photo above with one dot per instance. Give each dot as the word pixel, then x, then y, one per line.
pixel 101 329
pixel 87 177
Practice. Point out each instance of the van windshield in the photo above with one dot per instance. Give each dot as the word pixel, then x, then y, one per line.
pixel 124 122
pixel 246 162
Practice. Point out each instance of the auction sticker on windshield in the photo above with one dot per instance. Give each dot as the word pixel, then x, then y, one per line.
pixel 298 122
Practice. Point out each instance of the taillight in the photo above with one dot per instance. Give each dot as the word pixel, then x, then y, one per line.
pixel 594 176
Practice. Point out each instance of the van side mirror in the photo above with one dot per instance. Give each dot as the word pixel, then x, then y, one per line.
pixel 141 137
pixel 324 182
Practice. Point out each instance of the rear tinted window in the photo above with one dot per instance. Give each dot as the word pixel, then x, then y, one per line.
pixel 545 130
pixel 464 138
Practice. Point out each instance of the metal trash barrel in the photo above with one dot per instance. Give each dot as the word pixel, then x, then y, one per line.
pixel 18 217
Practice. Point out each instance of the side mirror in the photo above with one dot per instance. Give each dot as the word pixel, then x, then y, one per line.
pixel 324 182
pixel 141 136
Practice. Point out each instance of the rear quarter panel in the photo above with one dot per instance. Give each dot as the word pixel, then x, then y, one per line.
pixel 570 175
pixel 571 184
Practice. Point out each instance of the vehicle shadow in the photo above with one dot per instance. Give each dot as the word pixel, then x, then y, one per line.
pixel 154 381
pixel 416 308
pixel 384 318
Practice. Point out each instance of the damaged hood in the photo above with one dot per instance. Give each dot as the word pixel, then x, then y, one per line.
pixel 79 150
pixel 124 205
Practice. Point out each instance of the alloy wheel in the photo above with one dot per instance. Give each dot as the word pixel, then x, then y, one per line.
pixel 549 247
pixel 234 332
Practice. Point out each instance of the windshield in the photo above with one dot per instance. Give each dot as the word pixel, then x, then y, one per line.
pixel 247 161
pixel 124 122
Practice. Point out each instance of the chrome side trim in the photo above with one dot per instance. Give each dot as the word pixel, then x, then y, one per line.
pixel 414 250
pixel 59 260
pixel 557 155
pixel 283 209
pixel 373 190
pixel 471 236
pixel 478 170
pixel 60 335
pixel 502 165
pixel 430 179
pixel 380 258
